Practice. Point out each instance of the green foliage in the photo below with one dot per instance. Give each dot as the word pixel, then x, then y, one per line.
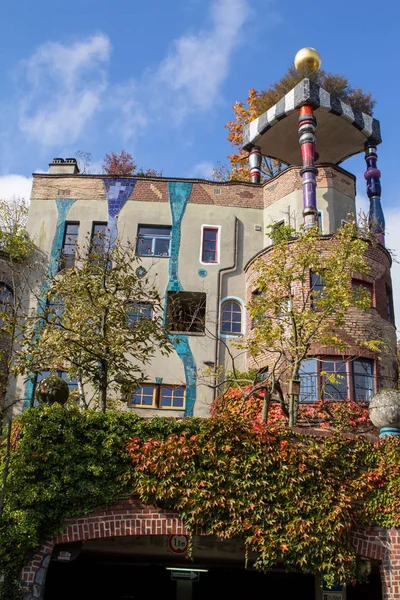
pixel 294 498
pixel 337 85
pixel 14 240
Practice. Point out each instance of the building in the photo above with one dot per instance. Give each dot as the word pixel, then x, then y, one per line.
pixel 200 238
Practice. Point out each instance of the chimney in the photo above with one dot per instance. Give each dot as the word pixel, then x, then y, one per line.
pixel 59 166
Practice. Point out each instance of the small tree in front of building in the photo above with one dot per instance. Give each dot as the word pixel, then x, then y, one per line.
pixel 101 322
pixel 302 292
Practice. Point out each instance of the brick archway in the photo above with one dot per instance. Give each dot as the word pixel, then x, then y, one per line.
pixel 131 517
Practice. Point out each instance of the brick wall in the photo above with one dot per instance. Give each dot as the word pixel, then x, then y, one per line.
pixel 372 324
pixel 91 187
pixel 290 180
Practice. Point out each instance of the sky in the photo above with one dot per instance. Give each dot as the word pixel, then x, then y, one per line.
pixel 159 79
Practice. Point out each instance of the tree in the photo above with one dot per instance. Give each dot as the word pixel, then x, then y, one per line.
pixel 290 315
pixel 119 164
pixel 122 163
pixel 19 258
pixel 101 322
pixel 260 102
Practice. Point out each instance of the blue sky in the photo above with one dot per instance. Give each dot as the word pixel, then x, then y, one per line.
pixel 158 79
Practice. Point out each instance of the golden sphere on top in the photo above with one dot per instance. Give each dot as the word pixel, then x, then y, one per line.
pixel 307 57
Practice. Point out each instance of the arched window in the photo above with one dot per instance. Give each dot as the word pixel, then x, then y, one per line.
pixel 231 318
pixel 6 297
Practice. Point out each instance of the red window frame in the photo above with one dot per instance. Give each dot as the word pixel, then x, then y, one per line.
pixel 215 250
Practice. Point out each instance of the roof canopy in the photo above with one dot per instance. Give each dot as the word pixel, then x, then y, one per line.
pixel 341 130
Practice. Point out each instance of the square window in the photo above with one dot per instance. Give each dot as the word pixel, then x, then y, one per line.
pixel 186 312
pixel 144 396
pixel 172 397
pixel 154 240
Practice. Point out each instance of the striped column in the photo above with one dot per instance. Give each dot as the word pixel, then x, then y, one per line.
pixel 255 159
pixel 306 128
pixel 376 220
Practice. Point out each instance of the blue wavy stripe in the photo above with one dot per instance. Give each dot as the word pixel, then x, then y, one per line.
pixel 179 194
pixel 63 206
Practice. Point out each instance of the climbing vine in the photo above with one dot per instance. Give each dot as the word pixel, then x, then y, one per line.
pixel 294 498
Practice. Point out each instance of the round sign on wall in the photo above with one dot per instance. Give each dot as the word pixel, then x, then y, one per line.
pixel 178 543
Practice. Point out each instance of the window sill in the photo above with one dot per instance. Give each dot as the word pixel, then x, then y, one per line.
pixel 192 333
pixel 153 256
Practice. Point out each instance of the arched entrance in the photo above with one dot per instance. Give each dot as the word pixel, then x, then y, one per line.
pixel 123 552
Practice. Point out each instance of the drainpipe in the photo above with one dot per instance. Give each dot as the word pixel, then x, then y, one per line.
pixel 219 286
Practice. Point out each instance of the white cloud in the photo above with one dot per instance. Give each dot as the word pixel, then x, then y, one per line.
pixel 62 89
pixel 189 78
pixel 202 170
pixel 15 186
pixel 198 64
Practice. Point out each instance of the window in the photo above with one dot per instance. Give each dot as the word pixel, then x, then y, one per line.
pixel 389 304
pixel 363 379
pixel 257 301
pixel 98 237
pixel 352 379
pixel 54 310
pixel 308 381
pixel 144 395
pixel 69 245
pixel 138 311
pixel 320 225
pixel 172 397
pixel 337 369
pixel 186 312
pixel 154 240
pixel 6 297
pixel 231 318
pixel 359 286
pixel 159 396
pixel 316 286
pixel 209 245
